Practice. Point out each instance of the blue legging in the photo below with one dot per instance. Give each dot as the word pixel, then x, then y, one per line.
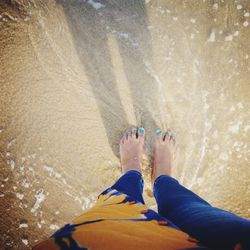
pixel 213 227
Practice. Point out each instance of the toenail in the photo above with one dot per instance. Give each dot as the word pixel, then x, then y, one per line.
pixel 158 131
pixel 134 130
pixel 141 130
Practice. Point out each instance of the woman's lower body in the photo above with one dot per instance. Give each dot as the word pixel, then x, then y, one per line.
pixel 120 220
pixel 213 227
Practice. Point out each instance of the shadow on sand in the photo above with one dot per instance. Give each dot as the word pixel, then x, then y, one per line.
pixel 90 28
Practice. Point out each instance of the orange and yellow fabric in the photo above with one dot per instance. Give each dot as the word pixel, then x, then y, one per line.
pixel 118 222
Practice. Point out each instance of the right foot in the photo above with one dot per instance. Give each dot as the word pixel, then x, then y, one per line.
pixel 131 149
pixel 164 150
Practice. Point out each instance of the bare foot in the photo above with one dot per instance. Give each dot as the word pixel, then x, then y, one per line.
pixel 131 149
pixel 164 150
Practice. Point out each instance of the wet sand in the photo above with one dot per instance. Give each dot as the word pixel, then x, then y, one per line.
pixel 76 74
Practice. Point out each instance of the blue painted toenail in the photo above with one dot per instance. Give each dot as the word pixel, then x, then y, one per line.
pixel 134 130
pixel 141 130
pixel 158 131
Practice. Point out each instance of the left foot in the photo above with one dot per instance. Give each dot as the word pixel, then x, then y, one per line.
pixel 131 149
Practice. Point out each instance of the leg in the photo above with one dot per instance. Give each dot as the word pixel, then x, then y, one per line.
pixel 131 152
pixel 131 183
pixel 213 227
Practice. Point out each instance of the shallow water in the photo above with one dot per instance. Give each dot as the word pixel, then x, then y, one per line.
pixel 76 74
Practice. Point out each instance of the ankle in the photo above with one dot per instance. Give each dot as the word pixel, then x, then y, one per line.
pixel 161 173
pixel 131 165
pixel 161 170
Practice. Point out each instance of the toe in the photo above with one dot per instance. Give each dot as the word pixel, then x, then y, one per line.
pixel 121 141
pixel 141 134
pixel 172 138
pixel 158 135
pixel 129 135
pixel 134 132
pixel 125 137
pixel 166 136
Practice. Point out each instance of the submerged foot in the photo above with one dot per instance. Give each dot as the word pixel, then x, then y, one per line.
pixel 131 149
pixel 164 150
